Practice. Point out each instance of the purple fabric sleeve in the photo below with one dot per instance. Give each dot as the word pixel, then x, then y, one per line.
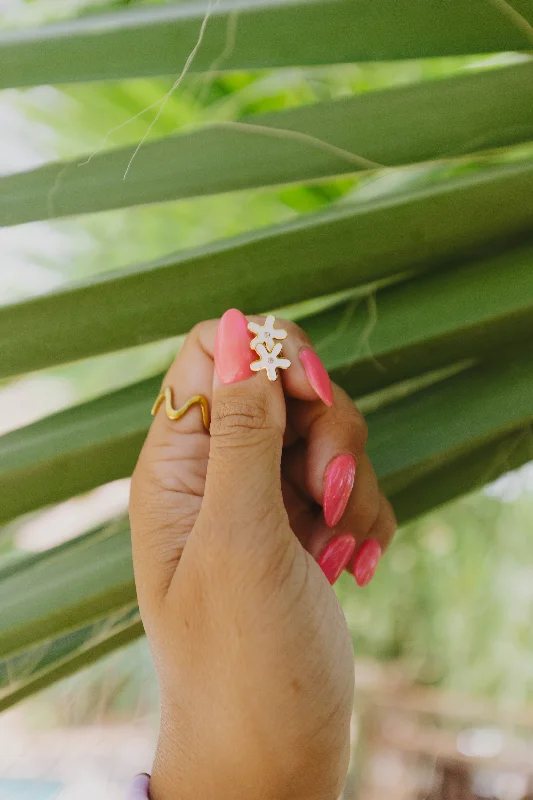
pixel 139 788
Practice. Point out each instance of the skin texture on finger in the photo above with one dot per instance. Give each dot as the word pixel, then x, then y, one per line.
pixel 384 527
pixel 169 479
pixel 301 512
pixel 362 508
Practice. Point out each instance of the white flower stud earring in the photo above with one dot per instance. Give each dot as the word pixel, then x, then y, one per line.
pixel 269 361
pixel 266 334
pixel 268 350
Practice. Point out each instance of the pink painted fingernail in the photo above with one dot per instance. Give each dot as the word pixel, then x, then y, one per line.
pixel 336 556
pixel 366 562
pixel 317 375
pixel 232 348
pixel 338 484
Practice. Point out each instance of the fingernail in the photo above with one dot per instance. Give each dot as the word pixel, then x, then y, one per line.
pixel 338 485
pixel 336 556
pixel 317 375
pixel 232 348
pixel 366 562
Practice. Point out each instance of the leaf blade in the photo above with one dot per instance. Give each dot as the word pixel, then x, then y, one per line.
pixel 428 322
pixel 398 126
pixel 343 247
pixel 417 326
pixel 78 659
pixel 464 474
pixel 156 41
pixel 475 407
pixel 84 581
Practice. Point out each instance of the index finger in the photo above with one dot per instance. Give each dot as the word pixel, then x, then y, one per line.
pixel 168 482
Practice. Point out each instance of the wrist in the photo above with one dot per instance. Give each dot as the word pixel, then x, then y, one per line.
pixel 200 774
pixel 195 760
pixel 210 751
pixel 169 782
pixel 207 781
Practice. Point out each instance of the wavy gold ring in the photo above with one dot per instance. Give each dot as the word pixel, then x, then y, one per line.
pixel 165 395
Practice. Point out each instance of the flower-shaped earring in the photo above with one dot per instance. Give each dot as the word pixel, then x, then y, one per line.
pixel 269 361
pixel 266 334
pixel 269 352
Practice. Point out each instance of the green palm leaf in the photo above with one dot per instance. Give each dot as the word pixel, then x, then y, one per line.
pixel 275 33
pixel 449 117
pixel 366 343
pixel 343 247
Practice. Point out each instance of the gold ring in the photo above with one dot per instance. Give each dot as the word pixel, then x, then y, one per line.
pixel 165 395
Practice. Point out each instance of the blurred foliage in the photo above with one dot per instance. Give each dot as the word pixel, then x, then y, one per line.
pixel 453 600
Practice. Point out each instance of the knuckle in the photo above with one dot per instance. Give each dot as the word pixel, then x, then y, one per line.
pixel 159 493
pixel 170 431
pixel 346 414
pixel 164 476
pixel 295 331
pixel 199 329
pixel 232 415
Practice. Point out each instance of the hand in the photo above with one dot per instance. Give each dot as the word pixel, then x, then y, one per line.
pixel 251 647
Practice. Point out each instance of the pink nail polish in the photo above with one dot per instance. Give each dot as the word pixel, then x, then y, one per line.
pixel 338 484
pixel 232 348
pixel 317 375
pixel 336 556
pixel 366 562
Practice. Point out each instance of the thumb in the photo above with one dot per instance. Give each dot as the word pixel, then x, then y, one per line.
pixel 243 483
